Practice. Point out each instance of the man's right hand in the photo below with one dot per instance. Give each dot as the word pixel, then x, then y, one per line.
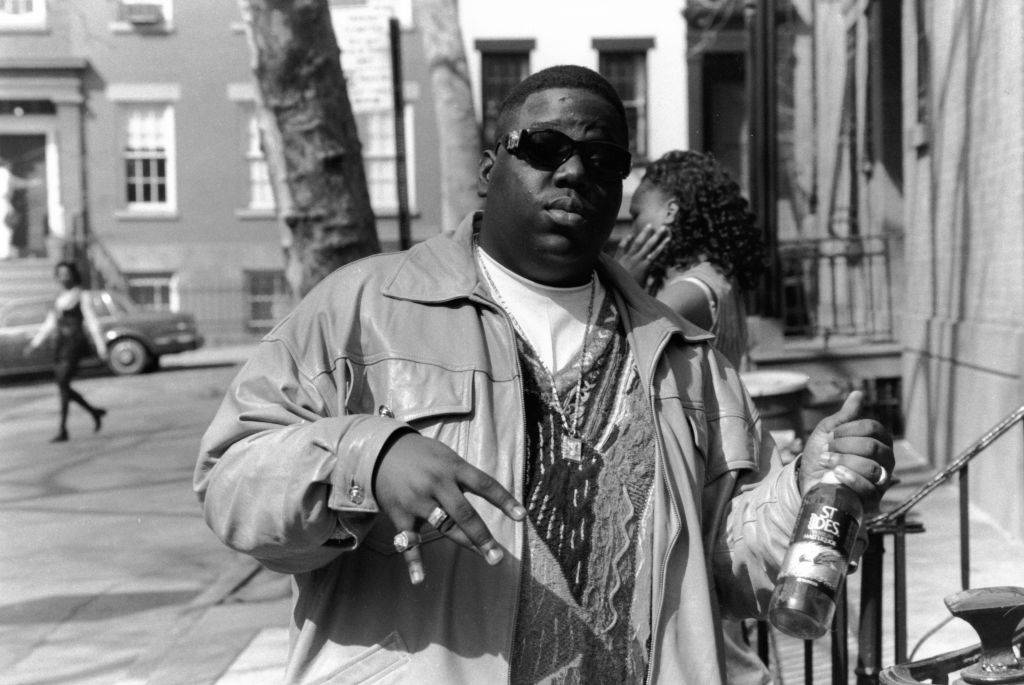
pixel 417 474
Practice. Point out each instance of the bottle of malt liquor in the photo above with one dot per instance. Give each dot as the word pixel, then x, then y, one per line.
pixel 804 600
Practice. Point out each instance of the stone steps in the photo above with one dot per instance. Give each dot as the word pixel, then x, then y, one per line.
pixel 25 277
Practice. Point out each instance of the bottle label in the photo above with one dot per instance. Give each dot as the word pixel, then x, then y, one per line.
pixel 822 541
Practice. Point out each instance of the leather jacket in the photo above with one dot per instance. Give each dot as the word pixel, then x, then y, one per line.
pixel 412 339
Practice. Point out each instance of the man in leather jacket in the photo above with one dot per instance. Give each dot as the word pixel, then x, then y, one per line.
pixel 493 457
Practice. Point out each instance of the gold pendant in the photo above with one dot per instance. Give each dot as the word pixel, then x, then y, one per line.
pixel 572 449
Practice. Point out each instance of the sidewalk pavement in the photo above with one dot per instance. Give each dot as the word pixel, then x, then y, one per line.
pixel 209 356
pixel 236 633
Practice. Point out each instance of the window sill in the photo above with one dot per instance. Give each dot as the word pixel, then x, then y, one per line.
pixel 252 214
pixel 24 28
pixel 391 214
pixel 146 215
pixel 125 27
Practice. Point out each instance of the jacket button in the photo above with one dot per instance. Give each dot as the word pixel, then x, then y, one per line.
pixel 385 411
pixel 355 493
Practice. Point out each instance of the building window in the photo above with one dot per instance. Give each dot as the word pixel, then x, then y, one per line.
pixel 22 14
pixel 626 70
pixel 377 133
pixel 156 290
pixel 724 113
pixel 149 158
pixel 261 193
pixel 267 299
pixel 503 64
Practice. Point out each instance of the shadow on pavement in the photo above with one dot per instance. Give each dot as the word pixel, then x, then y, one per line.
pixel 87 607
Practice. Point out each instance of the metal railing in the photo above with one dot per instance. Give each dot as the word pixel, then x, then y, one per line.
pixel 93 258
pixel 837 286
pixel 898 523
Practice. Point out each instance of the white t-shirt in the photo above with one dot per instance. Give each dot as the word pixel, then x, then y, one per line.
pixel 553 320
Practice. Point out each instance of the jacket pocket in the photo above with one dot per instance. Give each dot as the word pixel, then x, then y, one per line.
pixel 434 400
pixel 383 663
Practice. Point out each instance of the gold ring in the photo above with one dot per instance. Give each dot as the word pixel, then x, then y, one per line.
pixel 883 477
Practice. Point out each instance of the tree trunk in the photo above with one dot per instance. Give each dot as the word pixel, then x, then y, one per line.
pixel 310 138
pixel 458 131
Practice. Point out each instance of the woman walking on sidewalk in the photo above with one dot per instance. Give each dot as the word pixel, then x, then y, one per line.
pixel 71 317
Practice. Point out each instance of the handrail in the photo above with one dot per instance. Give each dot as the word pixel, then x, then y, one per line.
pixel 897 524
pixel 92 255
pixel 957 465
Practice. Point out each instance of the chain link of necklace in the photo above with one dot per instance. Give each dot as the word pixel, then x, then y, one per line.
pixel 574 430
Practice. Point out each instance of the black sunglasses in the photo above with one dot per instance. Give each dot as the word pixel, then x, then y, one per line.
pixel 548 149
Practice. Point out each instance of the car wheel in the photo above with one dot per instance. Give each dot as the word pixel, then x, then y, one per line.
pixel 128 356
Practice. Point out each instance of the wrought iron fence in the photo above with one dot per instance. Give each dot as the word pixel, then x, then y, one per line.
pixel 837 286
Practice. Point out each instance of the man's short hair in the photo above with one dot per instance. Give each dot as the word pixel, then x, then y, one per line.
pixel 560 76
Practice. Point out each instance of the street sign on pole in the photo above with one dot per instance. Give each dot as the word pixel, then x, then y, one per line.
pixel 370 40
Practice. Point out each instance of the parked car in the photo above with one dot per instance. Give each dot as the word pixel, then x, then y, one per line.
pixel 135 337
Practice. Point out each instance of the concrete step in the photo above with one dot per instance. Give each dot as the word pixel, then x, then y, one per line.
pixel 26 278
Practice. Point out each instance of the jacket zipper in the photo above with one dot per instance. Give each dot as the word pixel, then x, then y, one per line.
pixel 658 586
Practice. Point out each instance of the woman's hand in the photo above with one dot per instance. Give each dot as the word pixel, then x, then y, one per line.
pixel 637 252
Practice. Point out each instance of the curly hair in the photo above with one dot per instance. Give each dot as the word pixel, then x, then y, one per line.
pixel 713 219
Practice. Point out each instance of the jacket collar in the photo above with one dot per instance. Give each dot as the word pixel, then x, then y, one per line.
pixel 442 269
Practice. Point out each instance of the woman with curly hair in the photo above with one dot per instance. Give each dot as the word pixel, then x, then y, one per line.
pixel 695 245
pixel 696 248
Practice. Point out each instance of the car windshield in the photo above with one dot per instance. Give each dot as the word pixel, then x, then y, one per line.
pixel 113 304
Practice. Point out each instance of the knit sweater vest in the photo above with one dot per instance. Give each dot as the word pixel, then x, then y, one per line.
pixel 584 613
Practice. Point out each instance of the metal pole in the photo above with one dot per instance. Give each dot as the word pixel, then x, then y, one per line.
pixel 770 169
pixel 840 654
pixel 965 531
pixel 763 646
pixel 899 548
pixel 869 634
pixel 763 153
pixel 401 176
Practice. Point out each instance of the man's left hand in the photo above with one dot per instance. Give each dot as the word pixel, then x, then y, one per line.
pixel 856 449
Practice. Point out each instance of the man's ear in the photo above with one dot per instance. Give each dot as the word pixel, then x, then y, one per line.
pixel 483 172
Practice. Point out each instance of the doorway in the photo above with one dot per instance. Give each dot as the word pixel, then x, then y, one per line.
pixel 24 215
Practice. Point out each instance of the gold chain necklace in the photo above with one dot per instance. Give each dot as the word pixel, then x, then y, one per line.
pixel 572 441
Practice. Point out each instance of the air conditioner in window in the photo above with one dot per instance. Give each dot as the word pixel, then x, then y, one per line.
pixel 142 13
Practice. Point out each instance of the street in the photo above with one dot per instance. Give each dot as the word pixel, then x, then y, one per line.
pixel 104 546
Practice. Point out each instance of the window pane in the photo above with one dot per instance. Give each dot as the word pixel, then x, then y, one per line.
pixel 627 72
pixel 146 154
pixel 267 298
pixel 499 73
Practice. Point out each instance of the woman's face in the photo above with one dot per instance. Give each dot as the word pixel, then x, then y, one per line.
pixel 651 205
pixel 64 277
